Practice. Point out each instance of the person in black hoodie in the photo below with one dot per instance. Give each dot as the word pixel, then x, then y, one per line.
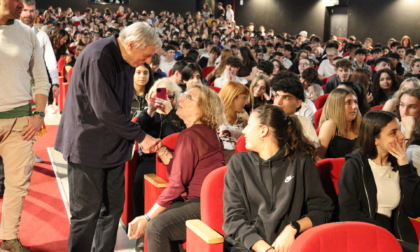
pixel 273 192
pixel 375 180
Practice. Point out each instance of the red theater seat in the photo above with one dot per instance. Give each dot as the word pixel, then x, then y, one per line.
pixel 346 236
pixel 206 235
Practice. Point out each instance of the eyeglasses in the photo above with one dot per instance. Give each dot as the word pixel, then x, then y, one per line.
pixel 303 64
pixel 171 97
pixel 188 97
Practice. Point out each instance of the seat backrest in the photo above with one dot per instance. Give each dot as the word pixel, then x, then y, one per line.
pixel 169 142
pixel 69 75
pixel 60 66
pixel 207 70
pixel 329 170
pixel 346 236
pixel 320 101
pixel 211 201
pixel 377 107
pixel 317 118
pixel 240 144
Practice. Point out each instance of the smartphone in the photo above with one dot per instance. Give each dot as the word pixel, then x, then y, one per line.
pixel 161 93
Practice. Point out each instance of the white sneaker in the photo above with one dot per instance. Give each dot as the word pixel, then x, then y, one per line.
pixel 38 159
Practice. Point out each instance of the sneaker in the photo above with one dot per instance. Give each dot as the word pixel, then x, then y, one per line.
pixel 13 246
pixel 38 159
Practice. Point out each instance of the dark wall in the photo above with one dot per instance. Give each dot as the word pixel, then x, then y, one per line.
pixel 180 6
pixel 283 15
pixel 383 19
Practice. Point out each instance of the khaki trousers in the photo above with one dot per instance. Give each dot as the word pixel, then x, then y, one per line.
pixel 18 159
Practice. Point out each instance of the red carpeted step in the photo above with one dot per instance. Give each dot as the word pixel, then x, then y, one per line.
pixel 44 225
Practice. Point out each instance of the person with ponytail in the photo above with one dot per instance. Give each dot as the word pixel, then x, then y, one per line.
pixel 272 192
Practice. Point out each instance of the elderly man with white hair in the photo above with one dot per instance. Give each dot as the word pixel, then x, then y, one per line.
pixel 96 134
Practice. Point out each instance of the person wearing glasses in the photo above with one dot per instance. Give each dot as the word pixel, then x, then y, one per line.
pixel 197 152
pixel 158 119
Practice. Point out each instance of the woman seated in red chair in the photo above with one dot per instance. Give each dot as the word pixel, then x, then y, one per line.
pixel 198 151
pixel 272 192
pixel 375 180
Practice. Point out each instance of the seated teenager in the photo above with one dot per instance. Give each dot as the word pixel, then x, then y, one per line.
pixel 371 188
pixel 308 78
pixel 360 60
pixel 414 69
pixel 259 92
pixel 234 97
pixel 233 64
pixel 408 110
pixel 143 81
pixel 248 62
pixel 176 74
pixel 360 92
pixel 384 86
pixel 339 124
pixel 220 67
pixel 343 71
pixel 192 75
pixel 413 148
pixel 197 152
pixel 261 212
pixel 159 120
pixel 409 83
pixel 289 95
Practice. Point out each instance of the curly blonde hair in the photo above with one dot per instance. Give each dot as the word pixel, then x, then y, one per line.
pixel 211 106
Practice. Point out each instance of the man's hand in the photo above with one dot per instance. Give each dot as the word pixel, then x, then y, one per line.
pixel 34 124
pixel 55 91
pixel 150 144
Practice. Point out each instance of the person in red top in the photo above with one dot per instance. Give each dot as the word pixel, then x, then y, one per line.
pixel 198 151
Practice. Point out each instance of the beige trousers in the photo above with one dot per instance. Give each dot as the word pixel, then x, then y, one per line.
pixel 18 159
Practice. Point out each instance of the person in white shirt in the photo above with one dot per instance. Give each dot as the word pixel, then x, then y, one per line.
pixel 21 65
pixel 230 15
pixel 326 68
pixel 289 95
pixel 169 61
pixel 27 17
pixel 233 63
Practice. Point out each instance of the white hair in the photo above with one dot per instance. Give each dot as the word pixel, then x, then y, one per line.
pixel 142 33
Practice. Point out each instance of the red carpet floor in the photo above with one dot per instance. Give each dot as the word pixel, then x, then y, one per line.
pixel 44 224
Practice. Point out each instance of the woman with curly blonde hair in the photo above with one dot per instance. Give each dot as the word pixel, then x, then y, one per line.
pixel 197 152
pixel 339 124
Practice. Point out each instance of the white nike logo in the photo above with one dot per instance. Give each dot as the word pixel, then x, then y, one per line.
pixel 288 178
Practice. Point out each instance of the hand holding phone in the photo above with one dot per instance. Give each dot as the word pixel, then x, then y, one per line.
pixel 161 93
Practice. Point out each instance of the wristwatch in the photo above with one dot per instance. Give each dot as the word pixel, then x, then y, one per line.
pixel 55 85
pixel 295 225
pixel 41 114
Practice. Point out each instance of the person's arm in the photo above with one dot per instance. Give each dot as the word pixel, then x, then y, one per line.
pixel 326 134
pixel 51 63
pixel 236 225
pixel 349 187
pixel 319 207
pixel 185 160
pixel 99 84
pixel 40 89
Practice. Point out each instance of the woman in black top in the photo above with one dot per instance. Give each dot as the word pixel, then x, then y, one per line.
pixel 143 81
pixel 339 124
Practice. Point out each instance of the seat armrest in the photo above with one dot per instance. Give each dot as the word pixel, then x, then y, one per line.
pixel 155 180
pixel 203 231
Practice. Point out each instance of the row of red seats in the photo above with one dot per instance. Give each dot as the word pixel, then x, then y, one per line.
pixel 207 234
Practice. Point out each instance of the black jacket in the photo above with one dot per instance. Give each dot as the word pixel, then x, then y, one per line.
pixel 357 197
pixel 261 197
